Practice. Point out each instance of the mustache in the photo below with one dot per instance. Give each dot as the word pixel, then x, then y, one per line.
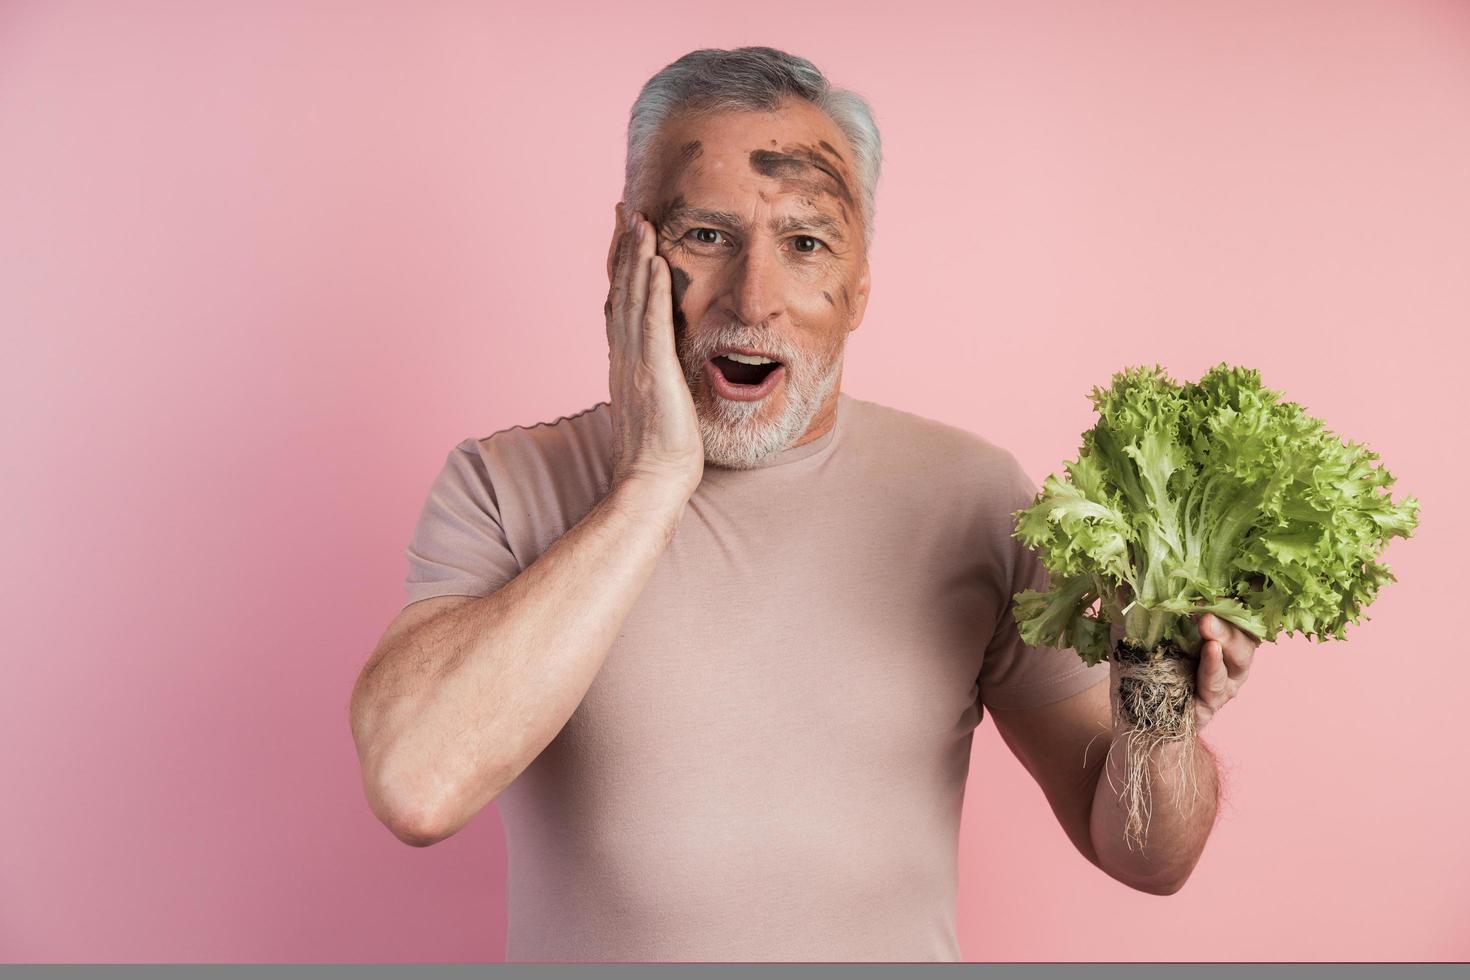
pixel 703 347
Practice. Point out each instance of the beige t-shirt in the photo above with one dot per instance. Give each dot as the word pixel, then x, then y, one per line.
pixel 770 764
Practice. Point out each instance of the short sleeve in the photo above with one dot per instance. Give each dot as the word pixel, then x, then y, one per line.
pixel 459 546
pixel 1012 673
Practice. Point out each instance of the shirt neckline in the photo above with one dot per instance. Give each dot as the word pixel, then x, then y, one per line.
pixel 793 454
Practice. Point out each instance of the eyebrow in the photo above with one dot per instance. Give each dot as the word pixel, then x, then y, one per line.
pixel 807 220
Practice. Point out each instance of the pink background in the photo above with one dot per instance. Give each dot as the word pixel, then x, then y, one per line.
pixel 263 264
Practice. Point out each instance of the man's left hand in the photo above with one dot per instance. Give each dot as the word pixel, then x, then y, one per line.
pixel 1224 661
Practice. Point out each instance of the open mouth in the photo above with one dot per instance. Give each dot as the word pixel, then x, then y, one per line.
pixel 738 373
pixel 736 381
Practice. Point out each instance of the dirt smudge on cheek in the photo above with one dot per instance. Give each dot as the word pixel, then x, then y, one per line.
pixel 679 282
pixel 828 297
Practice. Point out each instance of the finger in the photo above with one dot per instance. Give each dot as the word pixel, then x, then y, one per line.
pixel 1237 654
pixel 1207 693
pixel 1237 642
pixel 658 318
pixel 621 237
pixel 622 260
pixel 612 251
pixel 1236 645
pixel 1211 627
pixel 640 249
pixel 612 243
pixel 1213 679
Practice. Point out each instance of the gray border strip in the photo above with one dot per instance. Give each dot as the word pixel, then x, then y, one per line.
pixel 634 971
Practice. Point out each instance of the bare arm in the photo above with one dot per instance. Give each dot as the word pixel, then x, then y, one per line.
pixel 1176 837
pixel 450 712
pixel 1066 747
pixel 1075 751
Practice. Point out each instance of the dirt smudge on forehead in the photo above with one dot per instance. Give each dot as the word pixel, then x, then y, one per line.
pixel 830 149
pixel 801 167
pixel 781 166
pixel 690 152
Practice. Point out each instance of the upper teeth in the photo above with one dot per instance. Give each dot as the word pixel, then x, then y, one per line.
pixel 748 358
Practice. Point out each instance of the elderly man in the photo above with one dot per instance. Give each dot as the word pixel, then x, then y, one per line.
pixel 718 646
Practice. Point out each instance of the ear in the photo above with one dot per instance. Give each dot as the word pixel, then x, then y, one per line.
pixel 860 298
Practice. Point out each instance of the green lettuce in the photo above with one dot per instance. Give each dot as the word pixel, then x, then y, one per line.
pixel 1210 496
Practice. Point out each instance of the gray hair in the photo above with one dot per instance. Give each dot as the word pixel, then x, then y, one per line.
pixel 751 79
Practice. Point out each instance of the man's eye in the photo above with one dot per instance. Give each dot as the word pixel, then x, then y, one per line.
pixel 699 234
pixel 808 238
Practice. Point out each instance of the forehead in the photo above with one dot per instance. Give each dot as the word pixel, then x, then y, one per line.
pixel 791 157
pixel 737 132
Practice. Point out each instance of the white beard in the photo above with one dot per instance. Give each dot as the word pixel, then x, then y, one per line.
pixel 734 435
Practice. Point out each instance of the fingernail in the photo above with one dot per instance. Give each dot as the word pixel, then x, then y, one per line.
pixel 632 220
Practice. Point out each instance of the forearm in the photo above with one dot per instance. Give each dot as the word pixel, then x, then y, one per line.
pixel 460 706
pixel 1176 831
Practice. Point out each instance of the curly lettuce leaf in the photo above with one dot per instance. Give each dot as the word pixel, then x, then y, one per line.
pixel 1059 617
pixel 1208 496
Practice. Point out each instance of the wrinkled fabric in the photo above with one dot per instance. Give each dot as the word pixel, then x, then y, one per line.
pixel 771 761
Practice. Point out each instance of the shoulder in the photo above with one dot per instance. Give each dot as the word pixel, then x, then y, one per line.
pixel 577 426
pixel 536 459
pixel 540 477
pixel 963 458
pixel 581 434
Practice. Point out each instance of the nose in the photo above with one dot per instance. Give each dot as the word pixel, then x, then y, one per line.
pixel 756 289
